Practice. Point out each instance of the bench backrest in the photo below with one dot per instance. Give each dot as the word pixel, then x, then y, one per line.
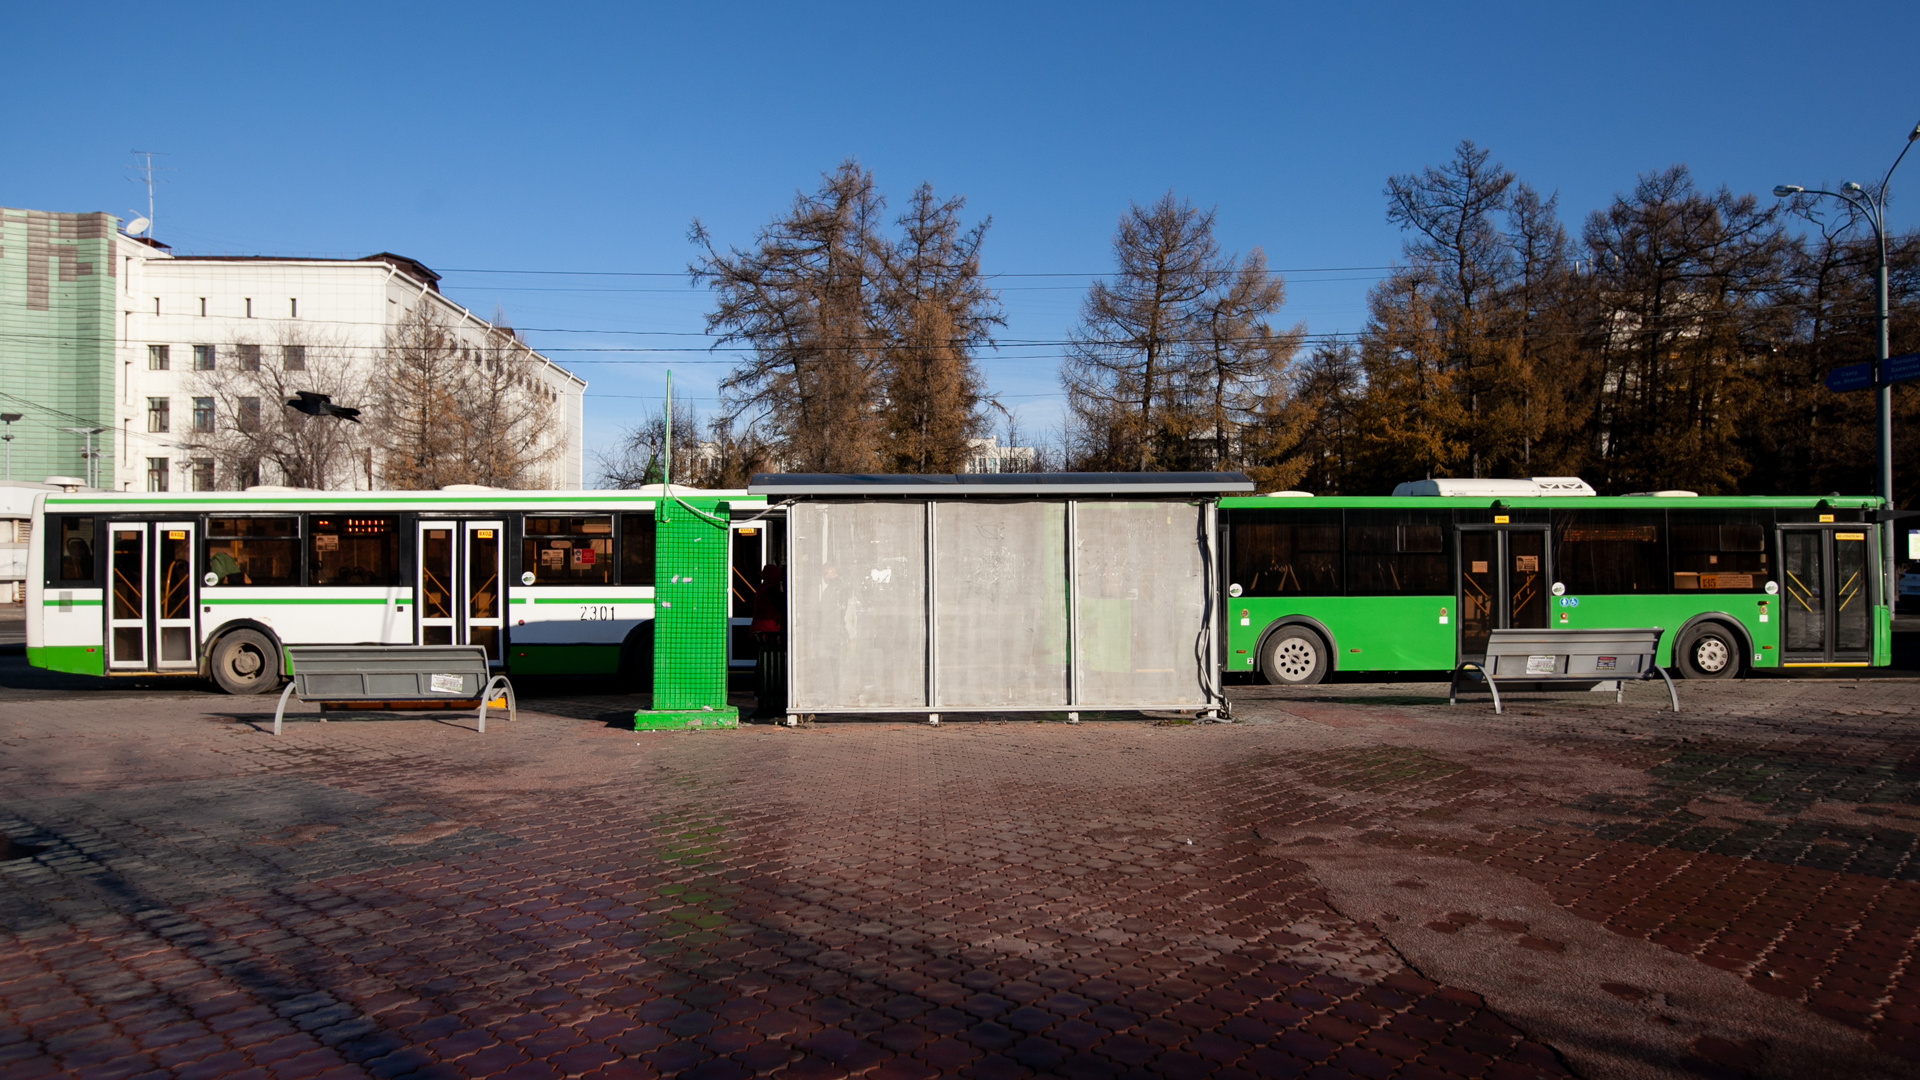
pixel 388 672
pixel 1595 654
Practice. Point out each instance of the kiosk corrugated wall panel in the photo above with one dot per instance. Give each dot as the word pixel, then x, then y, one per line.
pixel 1139 590
pixel 1000 604
pixel 857 601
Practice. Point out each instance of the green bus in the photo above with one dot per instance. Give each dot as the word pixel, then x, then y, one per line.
pixel 1417 581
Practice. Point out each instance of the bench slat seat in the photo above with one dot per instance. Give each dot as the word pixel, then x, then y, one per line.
pixel 358 673
pixel 1567 656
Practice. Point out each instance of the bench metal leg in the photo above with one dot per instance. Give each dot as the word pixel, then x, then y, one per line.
pixel 1495 690
pixel 486 698
pixel 1671 692
pixel 282 710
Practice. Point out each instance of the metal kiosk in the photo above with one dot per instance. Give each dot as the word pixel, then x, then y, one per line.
pixel 1009 592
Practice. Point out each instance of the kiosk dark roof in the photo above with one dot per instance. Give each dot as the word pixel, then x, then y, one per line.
pixel 999 485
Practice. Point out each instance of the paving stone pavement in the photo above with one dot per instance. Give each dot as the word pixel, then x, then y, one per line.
pixel 1353 880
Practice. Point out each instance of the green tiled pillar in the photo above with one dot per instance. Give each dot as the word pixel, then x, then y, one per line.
pixel 689 618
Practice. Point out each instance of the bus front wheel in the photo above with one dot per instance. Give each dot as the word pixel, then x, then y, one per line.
pixel 1710 652
pixel 246 662
pixel 1294 656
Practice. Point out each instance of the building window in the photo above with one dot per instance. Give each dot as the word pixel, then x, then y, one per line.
pixel 293 307
pixel 294 357
pixel 203 414
pixel 159 414
pixel 249 307
pixel 249 414
pixel 156 474
pixel 156 305
pixel 203 474
pixel 157 358
pixel 203 307
pixel 249 357
pixel 203 358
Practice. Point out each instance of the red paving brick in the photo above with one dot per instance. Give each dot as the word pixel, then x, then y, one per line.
pixel 1313 891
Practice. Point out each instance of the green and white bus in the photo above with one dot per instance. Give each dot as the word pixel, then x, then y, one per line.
pixel 1417 581
pixel 216 583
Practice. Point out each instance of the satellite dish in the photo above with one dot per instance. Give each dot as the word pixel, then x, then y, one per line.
pixel 137 226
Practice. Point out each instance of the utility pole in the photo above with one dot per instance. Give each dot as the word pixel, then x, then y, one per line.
pixel 8 418
pixel 1872 205
pixel 92 468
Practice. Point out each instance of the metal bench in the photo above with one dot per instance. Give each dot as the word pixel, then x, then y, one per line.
pixel 1567 656
pixel 350 673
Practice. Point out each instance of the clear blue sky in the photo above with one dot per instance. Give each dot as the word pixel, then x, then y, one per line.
pixel 564 138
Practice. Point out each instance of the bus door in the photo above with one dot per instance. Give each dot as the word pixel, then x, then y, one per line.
pixel 127 597
pixel 1503 576
pixel 457 584
pixel 174 603
pixel 748 555
pixel 1828 605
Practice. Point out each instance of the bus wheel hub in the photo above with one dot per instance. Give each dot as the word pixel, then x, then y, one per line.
pixel 1711 654
pixel 1295 658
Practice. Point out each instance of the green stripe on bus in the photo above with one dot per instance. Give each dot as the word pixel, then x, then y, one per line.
pixel 72 603
pixel 205 599
pixel 592 600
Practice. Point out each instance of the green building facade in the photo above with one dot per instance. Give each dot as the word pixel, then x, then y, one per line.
pixel 57 292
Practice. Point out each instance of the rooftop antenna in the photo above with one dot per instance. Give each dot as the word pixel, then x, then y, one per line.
pixel 145 170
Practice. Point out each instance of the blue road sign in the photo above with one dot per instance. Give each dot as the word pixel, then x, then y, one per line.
pixel 1902 368
pixel 1851 377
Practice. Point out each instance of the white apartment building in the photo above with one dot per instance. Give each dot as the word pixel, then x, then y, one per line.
pixel 183 319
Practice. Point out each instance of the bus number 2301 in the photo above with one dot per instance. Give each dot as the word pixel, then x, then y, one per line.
pixel 596 613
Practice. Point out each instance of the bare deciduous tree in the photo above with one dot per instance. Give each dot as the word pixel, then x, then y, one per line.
pixel 255 438
pixel 449 411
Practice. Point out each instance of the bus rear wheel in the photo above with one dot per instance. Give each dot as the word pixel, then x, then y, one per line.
pixel 1294 657
pixel 1709 652
pixel 246 662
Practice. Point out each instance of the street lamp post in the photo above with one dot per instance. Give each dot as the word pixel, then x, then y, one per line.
pixel 1873 206
pixel 8 418
pixel 92 471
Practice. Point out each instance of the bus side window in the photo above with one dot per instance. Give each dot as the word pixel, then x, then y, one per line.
pixel 254 550
pixel 1397 553
pixel 360 549
pixel 1719 551
pixel 1286 554
pixel 567 550
pixel 73 554
pixel 1603 553
pixel 636 549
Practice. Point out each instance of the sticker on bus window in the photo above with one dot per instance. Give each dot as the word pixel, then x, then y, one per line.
pixel 553 557
pixel 1849 536
pixel 326 541
pixel 582 557
pixel 1527 564
pixel 1479 567
pixel 176 534
pixel 484 534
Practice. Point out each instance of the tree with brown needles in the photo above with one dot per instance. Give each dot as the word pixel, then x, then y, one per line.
pixel 934 311
pixel 802 299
